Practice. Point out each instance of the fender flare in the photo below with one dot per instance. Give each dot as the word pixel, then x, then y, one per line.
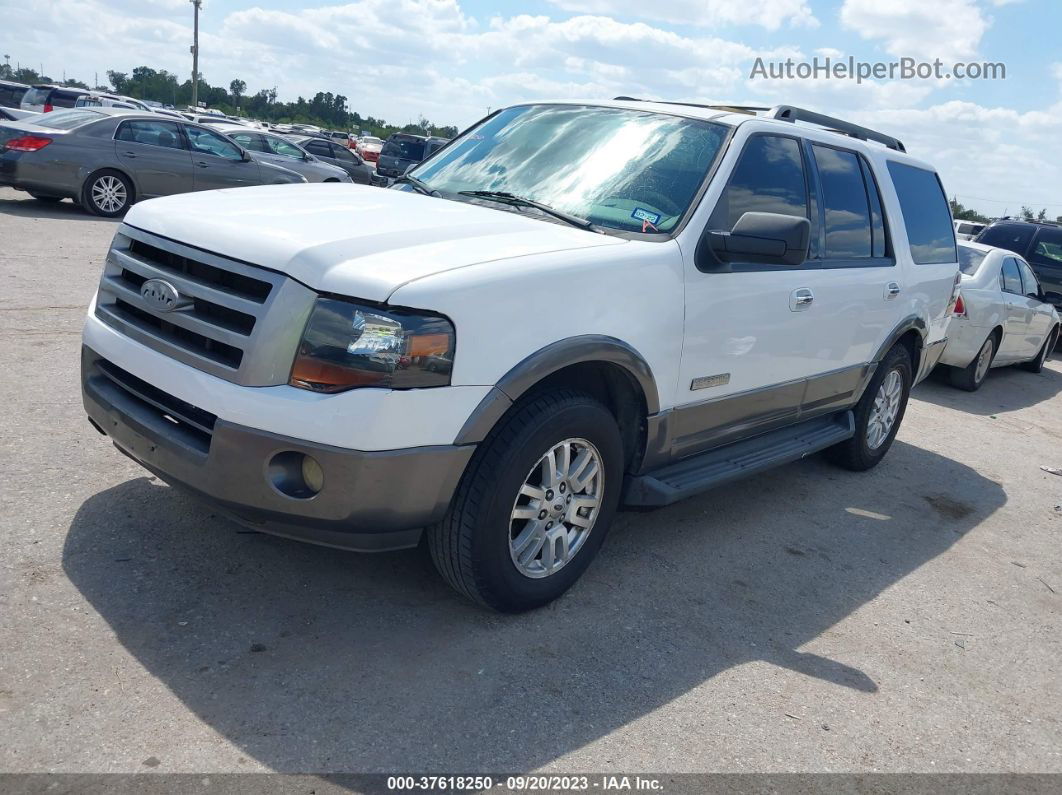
pixel 548 360
pixel 911 322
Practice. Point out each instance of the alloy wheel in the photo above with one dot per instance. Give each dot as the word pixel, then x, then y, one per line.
pixel 109 194
pixel 884 410
pixel 556 508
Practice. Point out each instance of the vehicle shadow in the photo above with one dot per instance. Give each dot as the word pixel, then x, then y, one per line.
pixel 1006 389
pixel 26 206
pixel 314 660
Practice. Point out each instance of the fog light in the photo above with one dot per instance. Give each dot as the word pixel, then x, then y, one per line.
pixel 312 474
pixel 295 475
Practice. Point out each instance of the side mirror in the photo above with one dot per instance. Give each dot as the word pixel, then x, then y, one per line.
pixel 246 156
pixel 759 238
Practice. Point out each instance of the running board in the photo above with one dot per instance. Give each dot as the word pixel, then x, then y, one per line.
pixel 704 471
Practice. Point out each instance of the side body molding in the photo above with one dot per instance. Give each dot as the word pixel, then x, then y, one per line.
pixel 548 360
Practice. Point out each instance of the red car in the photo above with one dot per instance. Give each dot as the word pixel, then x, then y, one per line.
pixel 369 148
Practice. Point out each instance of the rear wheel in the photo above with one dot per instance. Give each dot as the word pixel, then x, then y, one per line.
pixel 878 414
pixel 534 505
pixel 1037 365
pixel 973 375
pixel 107 193
pixel 41 197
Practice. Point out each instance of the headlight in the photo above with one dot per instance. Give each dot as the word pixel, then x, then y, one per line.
pixel 347 345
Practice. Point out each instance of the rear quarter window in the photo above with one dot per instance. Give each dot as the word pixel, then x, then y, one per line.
pixel 926 216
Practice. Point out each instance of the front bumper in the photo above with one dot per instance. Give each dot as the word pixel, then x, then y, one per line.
pixel 370 501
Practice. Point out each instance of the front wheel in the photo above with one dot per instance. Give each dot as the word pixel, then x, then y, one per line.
pixel 1037 365
pixel 534 505
pixel 878 414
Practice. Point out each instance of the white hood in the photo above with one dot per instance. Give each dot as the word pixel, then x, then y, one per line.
pixel 352 240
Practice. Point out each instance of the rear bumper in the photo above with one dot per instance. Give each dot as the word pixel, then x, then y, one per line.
pixel 370 501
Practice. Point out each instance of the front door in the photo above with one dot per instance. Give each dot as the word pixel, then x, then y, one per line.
pixel 155 153
pixel 218 162
pixel 1016 314
pixel 766 345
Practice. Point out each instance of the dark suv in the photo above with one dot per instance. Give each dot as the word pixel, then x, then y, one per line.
pixel 11 93
pixel 1039 242
pixel 45 99
pixel 400 152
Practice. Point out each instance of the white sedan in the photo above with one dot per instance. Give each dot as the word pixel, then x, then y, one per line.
pixel 1000 317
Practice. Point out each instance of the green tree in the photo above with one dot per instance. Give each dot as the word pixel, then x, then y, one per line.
pixel 237 87
pixel 958 211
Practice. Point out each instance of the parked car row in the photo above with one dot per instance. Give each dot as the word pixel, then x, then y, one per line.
pixel 107 158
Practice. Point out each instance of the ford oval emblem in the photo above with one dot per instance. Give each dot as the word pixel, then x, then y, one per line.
pixel 160 295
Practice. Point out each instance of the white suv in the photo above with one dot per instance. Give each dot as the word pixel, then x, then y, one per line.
pixel 570 307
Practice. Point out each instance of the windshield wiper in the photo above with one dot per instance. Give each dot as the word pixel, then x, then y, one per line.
pixel 418 186
pixel 519 201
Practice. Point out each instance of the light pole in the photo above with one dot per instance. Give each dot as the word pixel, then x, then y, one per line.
pixel 195 54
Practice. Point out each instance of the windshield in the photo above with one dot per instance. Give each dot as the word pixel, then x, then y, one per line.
pixel 67 120
pixel 970 259
pixel 406 150
pixel 624 169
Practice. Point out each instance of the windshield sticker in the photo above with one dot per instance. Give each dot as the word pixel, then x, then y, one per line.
pixel 644 215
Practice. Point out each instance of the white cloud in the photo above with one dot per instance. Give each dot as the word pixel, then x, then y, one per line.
pixel 945 29
pixel 770 14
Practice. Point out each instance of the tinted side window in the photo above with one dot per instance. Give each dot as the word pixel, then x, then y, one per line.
pixel 925 214
pixel 344 154
pixel 152 133
pixel 212 143
pixel 11 96
pixel 249 141
pixel 1048 248
pixel 877 214
pixel 281 147
pixel 1011 277
pixel 318 147
pixel 1030 285
pixel 1012 238
pixel 846 206
pixel 768 178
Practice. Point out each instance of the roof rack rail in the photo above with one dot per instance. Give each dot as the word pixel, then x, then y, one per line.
pixel 794 114
pixel 749 109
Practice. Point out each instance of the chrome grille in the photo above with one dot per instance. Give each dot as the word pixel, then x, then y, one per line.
pixel 236 321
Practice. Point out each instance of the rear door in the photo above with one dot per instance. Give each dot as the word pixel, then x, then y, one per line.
pixel 218 162
pixel 1046 260
pixel 351 163
pixel 155 153
pixel 1017 314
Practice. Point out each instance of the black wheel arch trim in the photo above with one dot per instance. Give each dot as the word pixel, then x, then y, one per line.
pixel 548 360
pixel 909 323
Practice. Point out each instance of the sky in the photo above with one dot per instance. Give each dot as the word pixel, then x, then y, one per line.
pixel 996 143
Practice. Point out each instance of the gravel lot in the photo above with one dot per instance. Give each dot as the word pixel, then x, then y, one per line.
pixel 808 619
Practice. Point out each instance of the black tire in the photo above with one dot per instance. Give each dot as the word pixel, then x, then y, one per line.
pixel 43 198
pixel 967 377
pixel 1037 364
pixel 105 210
pixel 471 545
pixel 856 453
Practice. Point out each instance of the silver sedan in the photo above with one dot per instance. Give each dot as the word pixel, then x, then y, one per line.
pixel 1001 317
pixel 276 149
pixel 107 158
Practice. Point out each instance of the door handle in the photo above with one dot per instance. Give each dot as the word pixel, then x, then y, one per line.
pixel 800 299
pixel 203 164
pixel 892 289
pixel 130 154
